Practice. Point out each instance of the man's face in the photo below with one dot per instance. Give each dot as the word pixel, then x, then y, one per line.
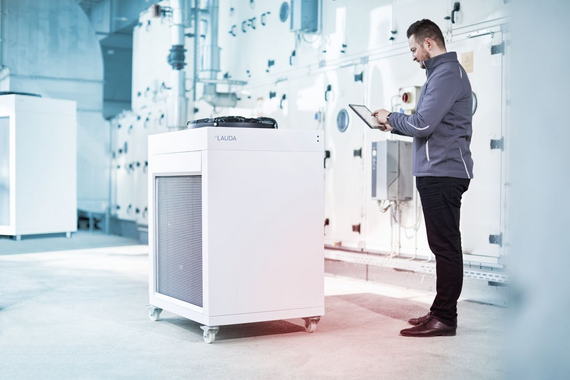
pixel 419 51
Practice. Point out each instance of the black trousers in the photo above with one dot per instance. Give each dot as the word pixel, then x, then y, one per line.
pixel 441 203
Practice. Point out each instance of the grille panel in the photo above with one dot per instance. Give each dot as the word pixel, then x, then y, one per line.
pixel 179 237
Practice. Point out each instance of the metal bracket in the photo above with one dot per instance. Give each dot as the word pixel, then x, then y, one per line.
pixel 498 49
pixel 496 239
pixel 359 77
pixel 329 89
pixel 498 144
pixel 270 62
pixel 356 228
pixel 293 54
pixel 481 33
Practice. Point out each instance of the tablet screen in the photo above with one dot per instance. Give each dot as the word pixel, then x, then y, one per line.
pixel 365 114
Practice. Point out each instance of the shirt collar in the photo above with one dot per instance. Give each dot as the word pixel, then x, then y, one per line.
pixel 439 59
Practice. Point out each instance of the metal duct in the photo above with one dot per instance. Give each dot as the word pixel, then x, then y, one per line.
pixel 211 61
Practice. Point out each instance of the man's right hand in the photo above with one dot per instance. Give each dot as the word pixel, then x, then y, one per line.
pixel 381 116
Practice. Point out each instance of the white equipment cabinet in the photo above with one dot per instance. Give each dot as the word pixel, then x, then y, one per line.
pixel 38 166
pixel 236 225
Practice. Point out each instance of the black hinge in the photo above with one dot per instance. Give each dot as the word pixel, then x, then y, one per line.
pixel 358 153
pixel 327 156
pixel 496 239
pixel 359 77
pixel 356 228
pixel 498 144
pixel 498 49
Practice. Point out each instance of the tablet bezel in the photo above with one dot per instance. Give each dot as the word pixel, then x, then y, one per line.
pixel 379 126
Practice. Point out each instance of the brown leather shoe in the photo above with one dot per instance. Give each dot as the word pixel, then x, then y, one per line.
pixel 420 320
pixel 432 327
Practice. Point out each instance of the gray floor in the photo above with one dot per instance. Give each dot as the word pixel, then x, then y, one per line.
pixel 80 314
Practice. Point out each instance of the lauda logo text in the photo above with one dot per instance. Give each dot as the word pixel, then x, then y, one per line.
pixel 226 138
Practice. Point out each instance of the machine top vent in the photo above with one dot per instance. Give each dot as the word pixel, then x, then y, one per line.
pixel 234 122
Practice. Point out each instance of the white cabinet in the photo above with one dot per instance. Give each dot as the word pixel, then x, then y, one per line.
pixel 38 166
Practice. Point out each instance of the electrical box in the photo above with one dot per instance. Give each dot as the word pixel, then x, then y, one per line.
pixel 392 170
pixel 305 16
pixel 409 97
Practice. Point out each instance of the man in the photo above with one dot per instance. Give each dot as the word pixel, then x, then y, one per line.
pixel 442 164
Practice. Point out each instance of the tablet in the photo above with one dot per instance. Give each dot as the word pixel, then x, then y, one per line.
pixel 366 115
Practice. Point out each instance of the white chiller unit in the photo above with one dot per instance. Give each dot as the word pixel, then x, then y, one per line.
pixel 236 225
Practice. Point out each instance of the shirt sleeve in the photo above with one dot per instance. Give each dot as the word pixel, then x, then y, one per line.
pixel 396 132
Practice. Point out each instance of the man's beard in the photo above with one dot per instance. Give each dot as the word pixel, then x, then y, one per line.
pixel 425 58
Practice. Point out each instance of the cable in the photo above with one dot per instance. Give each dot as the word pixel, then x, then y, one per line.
pixel 383 208
pixel 393 109
pixel 398 221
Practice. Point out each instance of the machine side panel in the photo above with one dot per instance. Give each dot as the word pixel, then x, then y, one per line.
pixel 265 240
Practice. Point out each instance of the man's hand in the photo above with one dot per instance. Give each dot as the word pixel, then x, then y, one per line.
pixel 381 115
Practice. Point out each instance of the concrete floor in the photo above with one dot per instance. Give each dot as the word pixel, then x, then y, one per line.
pixel 80 314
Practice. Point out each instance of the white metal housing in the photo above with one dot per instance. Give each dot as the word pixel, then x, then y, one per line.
pixel 38 166
pixel 261 200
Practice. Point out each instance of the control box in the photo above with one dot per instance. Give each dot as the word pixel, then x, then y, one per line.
pixel 409 97
pixel 392 170
pixel 305 16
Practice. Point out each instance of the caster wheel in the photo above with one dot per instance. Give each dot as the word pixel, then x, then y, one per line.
pixel 311 324
pixel 209 336
pixel 210 333
pixel 154 313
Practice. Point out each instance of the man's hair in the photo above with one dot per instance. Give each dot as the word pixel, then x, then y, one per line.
pixel 425 28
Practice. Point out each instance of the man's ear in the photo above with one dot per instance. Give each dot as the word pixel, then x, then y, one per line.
pixel 428 44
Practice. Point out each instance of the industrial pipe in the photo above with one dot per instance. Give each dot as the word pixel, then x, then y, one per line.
pixel 177 103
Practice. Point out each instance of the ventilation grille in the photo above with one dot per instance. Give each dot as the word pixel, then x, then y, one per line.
pixel 179 237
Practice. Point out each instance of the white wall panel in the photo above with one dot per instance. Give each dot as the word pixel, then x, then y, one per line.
pixel 482 203
pixel 344 175
pixel 151 45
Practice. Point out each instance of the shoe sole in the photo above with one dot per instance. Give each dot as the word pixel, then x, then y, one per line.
pixel 451 333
